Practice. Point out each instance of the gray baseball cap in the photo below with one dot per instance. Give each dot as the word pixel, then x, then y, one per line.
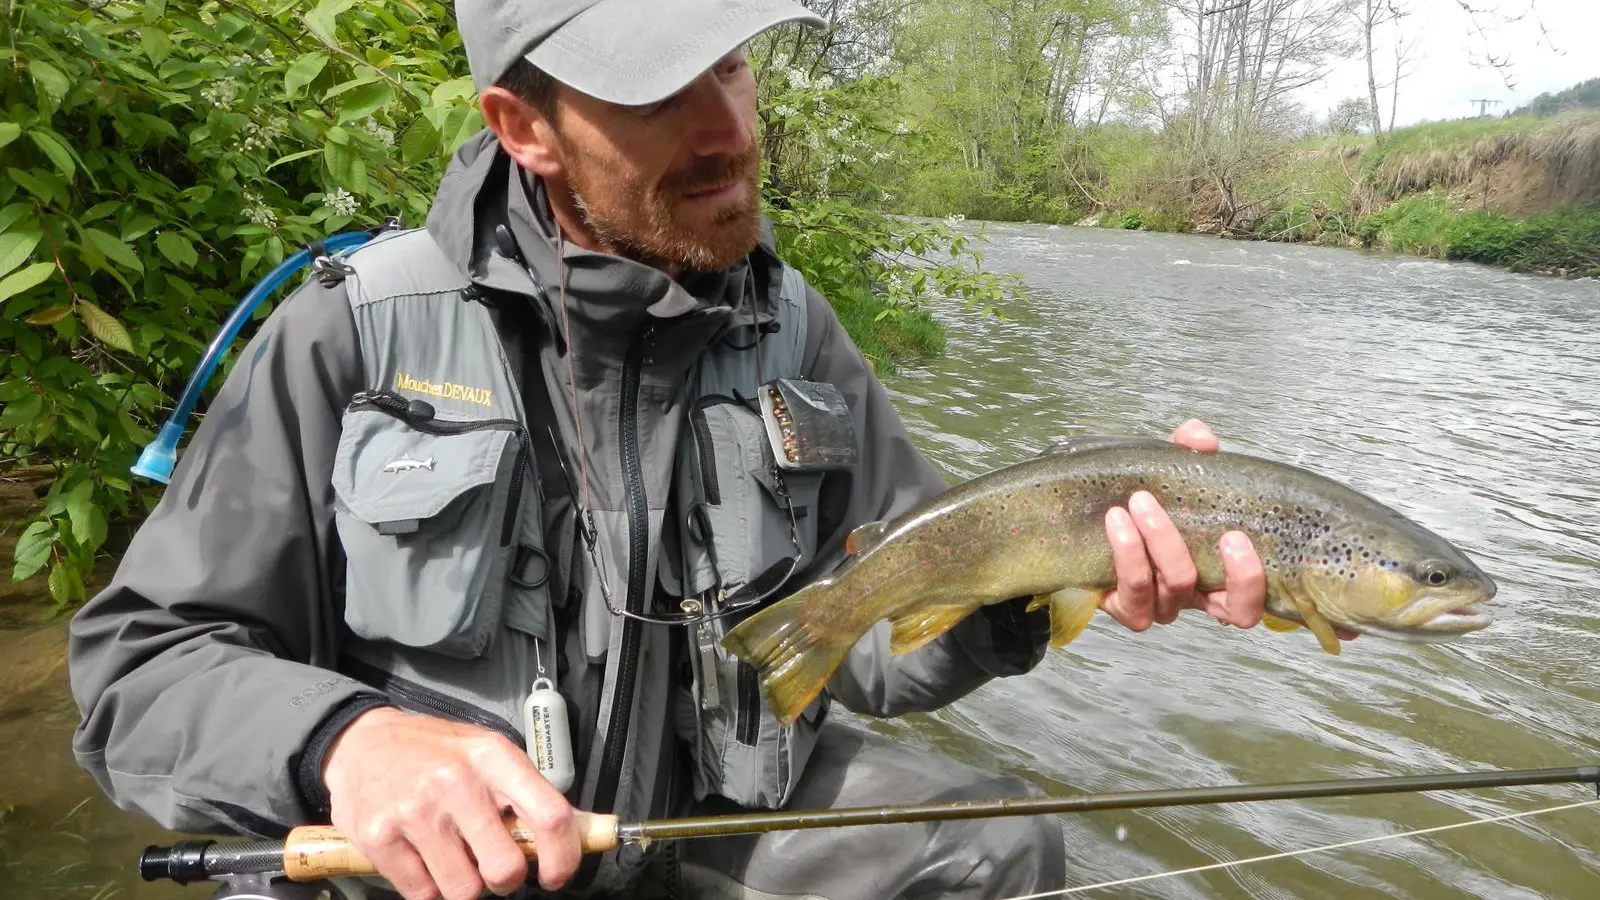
pixel 632 52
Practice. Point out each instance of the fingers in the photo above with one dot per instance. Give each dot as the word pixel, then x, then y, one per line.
pixel 383 841
pixel 501 864
pixel 1196 435
pixel 1245 580
pixel 1133 602
pixel 546 811
pixel 1168 555
pixel 439 844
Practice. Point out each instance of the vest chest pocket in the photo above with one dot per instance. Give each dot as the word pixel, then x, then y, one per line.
pixel 745 527
pixel 427 513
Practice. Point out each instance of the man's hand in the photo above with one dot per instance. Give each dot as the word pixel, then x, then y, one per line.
pixel 1155 573
pixel 423 797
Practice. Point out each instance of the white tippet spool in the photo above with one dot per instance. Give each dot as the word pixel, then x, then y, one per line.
pixel 544 721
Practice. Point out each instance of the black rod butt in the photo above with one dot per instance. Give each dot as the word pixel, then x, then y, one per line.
pixel 183 862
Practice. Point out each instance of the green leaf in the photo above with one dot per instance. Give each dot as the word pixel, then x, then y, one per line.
pixel 323 19
pixel 80 506
pixel 304 71
pixel 294 156
pixel 337 135
pixel 60 582
pixel 104 326
pixel 56 151
pixel 177 248
pixel 344 86
pixel 38 183
pixel 50 316
pixel 94 531
pixel 98 210
pixel 115 250
pixel 51 84
pixel 21 412
pixel 154 10
pixel 340 162
pixel 13 214
pixel 28 278
pixel 16 247
pixel 9 131
pixel 33 549
pixel 419 142
pixel 449 91
pixel 365 100
pixel 358 176
pixel 156 45
pixel 471 124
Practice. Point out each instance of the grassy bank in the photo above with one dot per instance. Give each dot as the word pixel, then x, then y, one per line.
pixel 1523 193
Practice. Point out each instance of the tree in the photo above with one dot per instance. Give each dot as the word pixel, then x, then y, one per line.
pixel 1350 115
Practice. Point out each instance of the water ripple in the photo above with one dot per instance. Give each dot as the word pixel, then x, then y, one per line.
pixel 1461 394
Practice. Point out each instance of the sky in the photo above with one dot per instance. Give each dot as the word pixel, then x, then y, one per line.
pixel 1443 77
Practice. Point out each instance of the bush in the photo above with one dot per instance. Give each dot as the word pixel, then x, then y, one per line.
pixel 162 156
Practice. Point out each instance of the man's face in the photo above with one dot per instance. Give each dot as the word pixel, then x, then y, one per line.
pixel 674 182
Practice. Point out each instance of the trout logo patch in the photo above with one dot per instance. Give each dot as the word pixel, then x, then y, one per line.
pixel 445 389
pixel 408 464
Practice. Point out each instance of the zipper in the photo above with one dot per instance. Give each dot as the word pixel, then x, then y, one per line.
pixel 419 415
pixel 747 726
pixel 638 538
pixel 409 693
pixel 702 439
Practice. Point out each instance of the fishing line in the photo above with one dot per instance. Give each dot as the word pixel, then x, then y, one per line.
pixel 1339 846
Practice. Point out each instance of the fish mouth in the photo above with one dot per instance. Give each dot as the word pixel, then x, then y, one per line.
pixel 1452 623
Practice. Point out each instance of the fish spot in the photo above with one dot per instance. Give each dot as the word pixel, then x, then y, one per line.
pixel 1054 517
pixel 1065 539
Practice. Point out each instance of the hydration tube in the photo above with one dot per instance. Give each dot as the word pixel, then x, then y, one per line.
pixel 161 455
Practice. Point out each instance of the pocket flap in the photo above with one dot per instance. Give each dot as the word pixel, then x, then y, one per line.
pixel 385 470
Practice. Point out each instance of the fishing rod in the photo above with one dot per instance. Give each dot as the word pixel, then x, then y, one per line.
pixel 315 852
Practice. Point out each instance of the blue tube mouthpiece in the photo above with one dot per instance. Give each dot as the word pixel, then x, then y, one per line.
pixel 160 456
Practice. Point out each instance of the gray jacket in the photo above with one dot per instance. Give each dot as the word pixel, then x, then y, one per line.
pixel 213 671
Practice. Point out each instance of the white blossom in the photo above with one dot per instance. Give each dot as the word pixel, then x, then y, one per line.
pixel 784 111
pixel 342 202
pixel 257 211
pixel 382 135
pixel 222 93
pixel 900 128
pixel 879 156
pixel 798 78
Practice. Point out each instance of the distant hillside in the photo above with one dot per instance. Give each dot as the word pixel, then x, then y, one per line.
pixel 1583 95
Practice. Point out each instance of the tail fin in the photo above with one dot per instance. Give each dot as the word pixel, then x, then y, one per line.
pixel 794 663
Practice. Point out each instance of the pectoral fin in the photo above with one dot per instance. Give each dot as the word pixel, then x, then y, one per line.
pixel 863 536
pixel 1070 612
pixel 1319 626
pixel 1309 616
pixel 1274 623
pixel 921 625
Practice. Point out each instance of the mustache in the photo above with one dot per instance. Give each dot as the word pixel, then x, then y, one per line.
pixel 714 171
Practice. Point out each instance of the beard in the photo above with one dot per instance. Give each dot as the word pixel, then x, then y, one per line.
pixel 652 224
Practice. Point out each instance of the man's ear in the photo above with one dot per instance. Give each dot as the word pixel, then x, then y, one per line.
pixel 523 131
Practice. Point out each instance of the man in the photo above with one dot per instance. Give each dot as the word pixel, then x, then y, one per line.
pixel 471 469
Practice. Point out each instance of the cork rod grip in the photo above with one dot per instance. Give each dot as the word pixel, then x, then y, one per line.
pixel 313 852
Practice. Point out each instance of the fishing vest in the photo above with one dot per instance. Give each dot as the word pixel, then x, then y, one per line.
pixel 440 514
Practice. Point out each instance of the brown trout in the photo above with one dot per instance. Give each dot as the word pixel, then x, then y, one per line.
pixel 1334 558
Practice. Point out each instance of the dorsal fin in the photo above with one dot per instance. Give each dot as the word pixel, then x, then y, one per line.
pixel 1085 442
pixel 863 537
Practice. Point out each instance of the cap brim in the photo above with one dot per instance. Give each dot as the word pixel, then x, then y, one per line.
pixel 629 52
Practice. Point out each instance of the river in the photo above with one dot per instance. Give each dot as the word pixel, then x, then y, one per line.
pixel 1464 395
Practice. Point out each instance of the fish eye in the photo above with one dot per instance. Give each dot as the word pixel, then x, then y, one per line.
pixel 1435 575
